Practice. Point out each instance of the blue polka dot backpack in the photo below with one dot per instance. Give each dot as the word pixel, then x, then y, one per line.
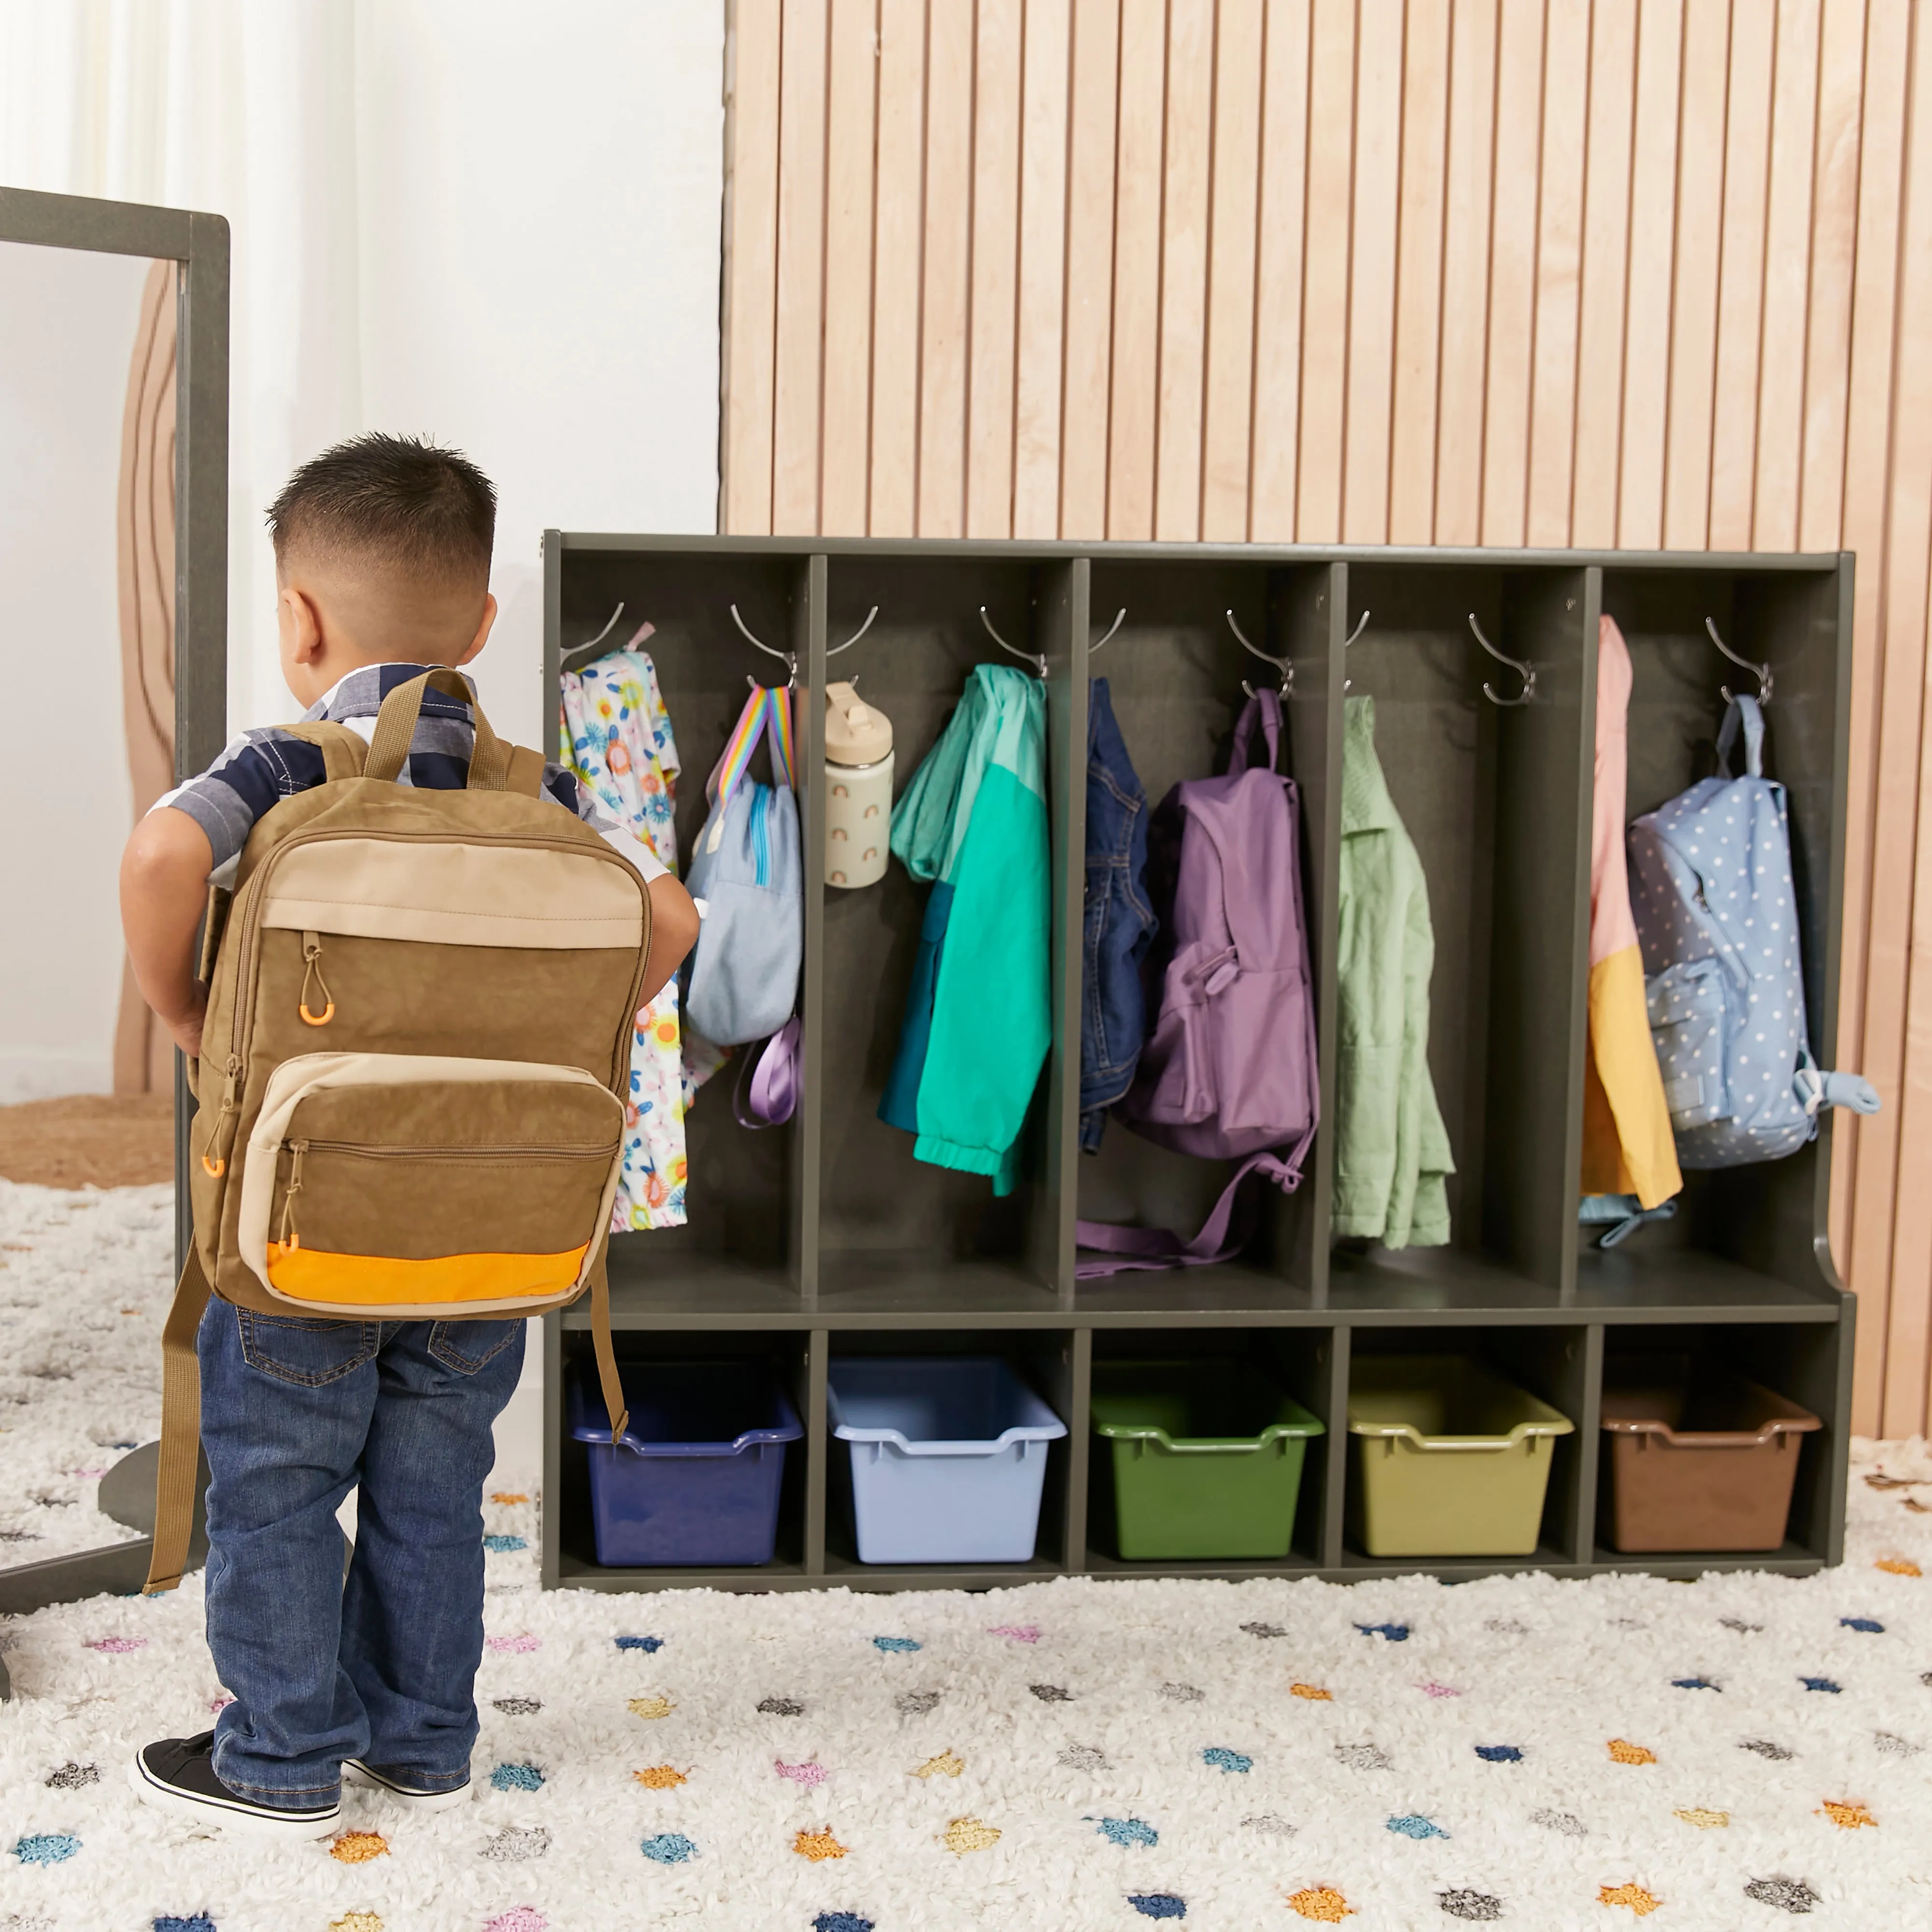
pixel 1716 914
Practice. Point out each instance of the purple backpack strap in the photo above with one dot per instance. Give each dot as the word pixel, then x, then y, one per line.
pixel 1263 708
pixel 773 1077
pixel 1221 1238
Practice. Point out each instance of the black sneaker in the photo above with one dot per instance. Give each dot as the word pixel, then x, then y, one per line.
pixel 396 1784
pixel 177 1775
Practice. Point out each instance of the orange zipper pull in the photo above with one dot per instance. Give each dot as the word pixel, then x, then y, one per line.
pixel 312 969
pixel 231 1106
pixel 290 1240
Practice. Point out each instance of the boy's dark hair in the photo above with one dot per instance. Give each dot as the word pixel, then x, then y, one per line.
pixel 396 500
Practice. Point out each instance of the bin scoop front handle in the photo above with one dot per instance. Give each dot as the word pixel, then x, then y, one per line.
pixel 1773 1431
pixel 1271 1438
pixel 1391 1432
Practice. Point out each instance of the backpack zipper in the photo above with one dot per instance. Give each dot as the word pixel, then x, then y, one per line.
pixel 521 1150
pixel 761 844
pixel 290 1236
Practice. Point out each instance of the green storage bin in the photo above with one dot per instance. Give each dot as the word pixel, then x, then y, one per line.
pixel 1208 1458
pixel 1451 1459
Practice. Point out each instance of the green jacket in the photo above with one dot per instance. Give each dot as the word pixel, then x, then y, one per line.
pixel 978 1023
pixel 1391 1150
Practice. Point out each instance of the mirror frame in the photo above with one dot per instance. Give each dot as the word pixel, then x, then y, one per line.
pixel 199 243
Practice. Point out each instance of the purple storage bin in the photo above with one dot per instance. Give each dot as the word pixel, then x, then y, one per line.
pixel 694 1481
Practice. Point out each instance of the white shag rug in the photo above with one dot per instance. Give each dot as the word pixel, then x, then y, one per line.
pixel 1741 1751
pixel 85 1279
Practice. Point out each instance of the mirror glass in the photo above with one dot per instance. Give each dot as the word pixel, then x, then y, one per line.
pixel 88 352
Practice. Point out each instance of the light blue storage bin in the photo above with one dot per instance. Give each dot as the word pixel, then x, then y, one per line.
pixel 949 1457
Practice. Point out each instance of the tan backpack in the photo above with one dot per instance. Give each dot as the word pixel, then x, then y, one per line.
pixel 420 1016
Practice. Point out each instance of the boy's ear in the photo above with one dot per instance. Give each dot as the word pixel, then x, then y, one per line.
pixel 304 625
pixel 482 636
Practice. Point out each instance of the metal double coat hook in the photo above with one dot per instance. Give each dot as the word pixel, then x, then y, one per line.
pixel 1285 665
pixel 1524 671
pixel 1763 670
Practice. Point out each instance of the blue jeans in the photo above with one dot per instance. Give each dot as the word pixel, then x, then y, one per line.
pixel 295 1413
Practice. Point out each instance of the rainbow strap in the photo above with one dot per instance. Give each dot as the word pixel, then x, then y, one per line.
pixel 764 706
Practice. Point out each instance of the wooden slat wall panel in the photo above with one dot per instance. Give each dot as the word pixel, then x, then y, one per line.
pixel 1228 409
pixel 1606 229
pixel 1607 272
pixel 1465 273
pixel 992 344
pixel 1187 166
pixel 1513 198
pixel 1042 289
pixel 1864 1181
pixel 1740 278
pixel 1372 276
pixel 1559 250
pixel 1418 319
pixel 798 389
pixel 1275 464
pixel 897 225
pixel 848 272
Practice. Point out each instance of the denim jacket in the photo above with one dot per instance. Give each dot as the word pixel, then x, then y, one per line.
pixel 1120 923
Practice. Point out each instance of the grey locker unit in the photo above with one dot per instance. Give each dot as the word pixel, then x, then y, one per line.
pixel 825 1237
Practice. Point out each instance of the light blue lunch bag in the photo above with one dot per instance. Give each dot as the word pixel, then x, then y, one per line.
pixel 748 877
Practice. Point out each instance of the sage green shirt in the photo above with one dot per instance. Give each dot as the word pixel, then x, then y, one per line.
pixel 1392 1152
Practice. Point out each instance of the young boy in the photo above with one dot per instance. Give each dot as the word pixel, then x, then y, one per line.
pixel 383 549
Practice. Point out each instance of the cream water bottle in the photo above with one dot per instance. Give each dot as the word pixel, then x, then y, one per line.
pixel 858 788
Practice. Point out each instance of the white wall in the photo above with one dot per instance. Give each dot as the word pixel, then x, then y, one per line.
pixel 494 222
pixel 539 263
pixel 67 333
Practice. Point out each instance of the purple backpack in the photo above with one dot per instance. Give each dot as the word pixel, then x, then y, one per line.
pixel 1229 1071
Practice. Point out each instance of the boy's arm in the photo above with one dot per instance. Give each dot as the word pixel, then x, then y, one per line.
pixel 164 890
pixel 674 932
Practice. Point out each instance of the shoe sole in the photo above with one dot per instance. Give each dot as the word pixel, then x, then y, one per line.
pixel 354 1772
pixel 241 1817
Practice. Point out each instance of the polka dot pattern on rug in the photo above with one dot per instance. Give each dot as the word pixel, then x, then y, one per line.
pixel 1321 1902
pixel 46 1848
pixel 668 1848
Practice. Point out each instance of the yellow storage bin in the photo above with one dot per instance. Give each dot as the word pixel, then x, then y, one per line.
pixel 1450 1460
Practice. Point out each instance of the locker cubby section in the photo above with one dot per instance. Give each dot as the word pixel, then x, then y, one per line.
pixel 1296 1362
pixel 784 1354
pixel 1551 1362
pixel 1736 1227
pixel 826 1235
pixel 1798 1360
pixel 1043 1361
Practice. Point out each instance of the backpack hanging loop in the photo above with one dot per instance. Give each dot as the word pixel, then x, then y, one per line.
pixel 1763 670
pixel 788 659
pixel 1526 672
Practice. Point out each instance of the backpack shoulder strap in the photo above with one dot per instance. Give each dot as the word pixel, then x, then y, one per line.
pixel 526 772
pixel 343 753
pixel 611 1383
pixel 180 1429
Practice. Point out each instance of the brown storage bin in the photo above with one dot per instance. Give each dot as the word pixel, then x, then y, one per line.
pixel 1698 1458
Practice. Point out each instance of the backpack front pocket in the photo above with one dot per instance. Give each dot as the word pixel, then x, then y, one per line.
pixel 415 1185
pixel 1686 1005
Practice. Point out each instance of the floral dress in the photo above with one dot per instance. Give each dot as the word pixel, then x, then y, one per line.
pixel 617 738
